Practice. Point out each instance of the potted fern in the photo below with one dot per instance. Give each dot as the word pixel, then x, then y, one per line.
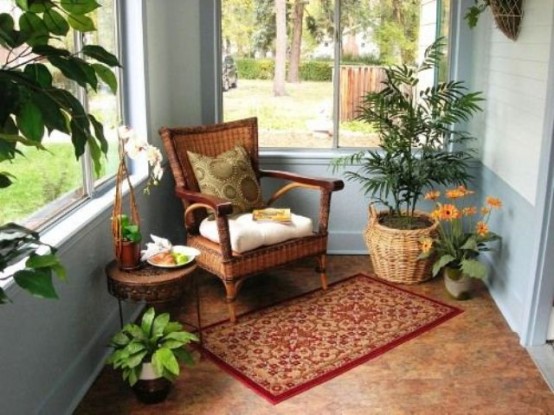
pixel 148 354
pixel 420 147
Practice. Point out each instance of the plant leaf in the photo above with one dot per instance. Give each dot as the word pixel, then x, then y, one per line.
pixel 81 23
pixel 36 282
pixel 147 319
pixel 30 121
pixel 106 75
pixel 164 359
pixel 474 268
pixel 441 262
pixel 101 55
pixel 160 322
pixel 79 6
pixel 55 23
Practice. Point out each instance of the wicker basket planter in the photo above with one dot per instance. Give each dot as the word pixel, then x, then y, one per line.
pixel 394 252
pixel 507 15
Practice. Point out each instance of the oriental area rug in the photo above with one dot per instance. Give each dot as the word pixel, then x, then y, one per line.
pixel 290 347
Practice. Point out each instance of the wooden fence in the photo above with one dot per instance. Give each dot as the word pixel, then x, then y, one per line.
pixel 355 82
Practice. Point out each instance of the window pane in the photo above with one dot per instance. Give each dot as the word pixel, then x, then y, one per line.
pixel 103 104
pixel 373 34
pixel 48 183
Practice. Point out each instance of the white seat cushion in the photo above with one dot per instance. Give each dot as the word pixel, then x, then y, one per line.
pixel 247 234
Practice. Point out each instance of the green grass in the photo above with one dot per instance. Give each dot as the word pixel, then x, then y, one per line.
pixel 305 101
pixel 40 177
pixel 254 98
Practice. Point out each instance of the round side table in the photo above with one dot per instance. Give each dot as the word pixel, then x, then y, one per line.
pixel 150 284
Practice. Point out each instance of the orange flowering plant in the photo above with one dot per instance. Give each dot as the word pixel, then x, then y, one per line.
pixel 463 232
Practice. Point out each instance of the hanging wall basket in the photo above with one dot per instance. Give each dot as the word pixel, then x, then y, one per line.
pixel 507 15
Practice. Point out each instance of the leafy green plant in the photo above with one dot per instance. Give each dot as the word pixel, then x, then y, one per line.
pixel 157 340
pixel 473 12
pixel 420 145
pixel 31 106
pixel 463 232
pixel 129 231
pixel 35 276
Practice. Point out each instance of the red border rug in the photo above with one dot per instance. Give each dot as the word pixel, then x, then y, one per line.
pixel 285 349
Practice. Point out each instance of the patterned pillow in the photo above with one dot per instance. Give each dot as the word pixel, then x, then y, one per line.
pixel 229 176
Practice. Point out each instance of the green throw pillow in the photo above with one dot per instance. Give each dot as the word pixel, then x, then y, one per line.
pixel 229 176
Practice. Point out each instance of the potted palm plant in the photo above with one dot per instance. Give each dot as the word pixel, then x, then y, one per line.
pixel 148 354
pixel 420 147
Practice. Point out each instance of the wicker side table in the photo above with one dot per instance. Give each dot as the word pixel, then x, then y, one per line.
pixel 151 285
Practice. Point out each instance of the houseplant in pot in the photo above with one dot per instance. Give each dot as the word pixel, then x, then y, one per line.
pixel 126 228
pixel 463 233
pixel 129 253
pixel 419 147
pixel 149 354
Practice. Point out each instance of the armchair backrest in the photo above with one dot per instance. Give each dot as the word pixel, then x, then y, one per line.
pixel 208 140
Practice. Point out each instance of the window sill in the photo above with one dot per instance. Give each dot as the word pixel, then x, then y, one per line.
pixel 70 228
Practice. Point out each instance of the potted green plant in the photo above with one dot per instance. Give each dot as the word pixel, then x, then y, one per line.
pixel 128 254
pixel 463 233
pixel 507 15
pixel 32 104
pixel 148 354
pixel 420 146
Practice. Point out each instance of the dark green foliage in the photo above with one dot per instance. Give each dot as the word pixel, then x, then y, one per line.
pixel 32 104
pixel 316 71
pixel 29 95
pixel 16 243
pixel 264 69
pixel 255 68
pixel 420 142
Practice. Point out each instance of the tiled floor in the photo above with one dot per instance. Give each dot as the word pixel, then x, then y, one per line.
pixel 472 364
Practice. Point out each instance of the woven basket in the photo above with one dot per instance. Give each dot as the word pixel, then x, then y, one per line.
pixel 507 15
pixel 394 252
pixel 122 176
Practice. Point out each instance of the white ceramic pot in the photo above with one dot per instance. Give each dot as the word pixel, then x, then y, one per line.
pixel 458 284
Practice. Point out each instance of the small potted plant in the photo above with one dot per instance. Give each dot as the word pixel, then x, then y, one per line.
pixel 149 354
pixel 419 147
pixel 129 253
pixel 463 233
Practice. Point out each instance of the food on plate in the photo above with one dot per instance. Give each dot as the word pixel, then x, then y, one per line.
pixel 169 259
pixel 163 258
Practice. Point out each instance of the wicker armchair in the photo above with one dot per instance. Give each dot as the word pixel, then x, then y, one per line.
pixel 219 259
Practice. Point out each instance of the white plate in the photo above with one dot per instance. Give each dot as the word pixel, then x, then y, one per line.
pixel 190 252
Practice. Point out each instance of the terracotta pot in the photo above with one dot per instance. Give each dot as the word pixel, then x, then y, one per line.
pixel 457 284
pixel 150 388
pixel 129 256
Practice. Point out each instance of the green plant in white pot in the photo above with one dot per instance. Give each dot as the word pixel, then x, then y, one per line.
pixel 420 147
pixel 149 354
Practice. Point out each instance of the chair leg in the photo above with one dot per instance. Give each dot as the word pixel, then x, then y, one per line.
pixel 231 291
pixel 322 262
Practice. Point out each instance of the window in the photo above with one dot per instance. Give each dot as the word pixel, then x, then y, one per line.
pixel 316 105
pixel 48 183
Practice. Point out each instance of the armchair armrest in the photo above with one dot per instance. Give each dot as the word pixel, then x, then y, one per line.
pixel 330 185
pixel 325 186
pixel 221 208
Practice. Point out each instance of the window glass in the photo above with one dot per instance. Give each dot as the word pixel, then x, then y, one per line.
pixel 48 182
pixel 316 103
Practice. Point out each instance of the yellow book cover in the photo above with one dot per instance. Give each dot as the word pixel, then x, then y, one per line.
pixel 272 215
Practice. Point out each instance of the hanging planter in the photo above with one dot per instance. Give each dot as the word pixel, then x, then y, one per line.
pixel 507 15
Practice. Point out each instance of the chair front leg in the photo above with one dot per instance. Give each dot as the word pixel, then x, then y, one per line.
pixel 322 262
pixel 231 291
